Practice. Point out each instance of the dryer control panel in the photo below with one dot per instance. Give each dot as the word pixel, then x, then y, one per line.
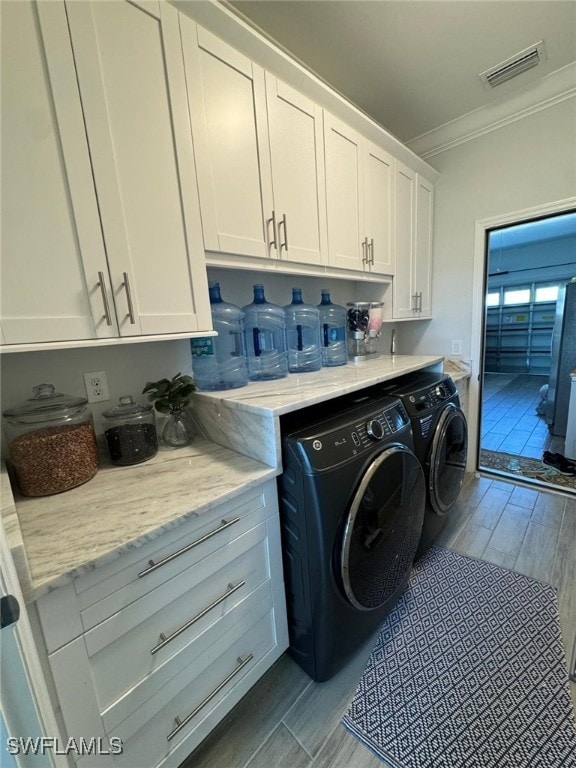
pixel 428 398
pixel 346 436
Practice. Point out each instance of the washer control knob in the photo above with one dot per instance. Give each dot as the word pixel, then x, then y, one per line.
pixel 375 429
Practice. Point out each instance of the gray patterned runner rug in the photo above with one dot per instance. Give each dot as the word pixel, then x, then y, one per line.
pixel 468 671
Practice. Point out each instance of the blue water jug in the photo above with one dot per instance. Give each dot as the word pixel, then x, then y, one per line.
pixel 221 362
pixel 302 335
pixel 332 331
pixel 265 338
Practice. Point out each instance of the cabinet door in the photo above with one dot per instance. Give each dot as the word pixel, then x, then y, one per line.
pixel 423 246
pixel 131 77
pixel 403 291
pixel 227 101
pixel 297 156
pixel 379 197
pixel 344 195
pixel 54 271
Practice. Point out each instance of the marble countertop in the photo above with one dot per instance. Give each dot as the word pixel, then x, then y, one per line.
pixel 295 391
pixel 53 539
pixel 56 538
pixel 458 369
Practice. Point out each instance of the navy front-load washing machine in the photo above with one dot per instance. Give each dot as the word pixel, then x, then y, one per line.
pixel 352 497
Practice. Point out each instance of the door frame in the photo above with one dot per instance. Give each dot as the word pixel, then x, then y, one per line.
pixel 478 308
pixel 31 707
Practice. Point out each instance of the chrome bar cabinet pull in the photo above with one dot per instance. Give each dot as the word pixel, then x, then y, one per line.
pixel 283 224
pixel 273 241
pixel 126 285
pixel 164 640
pixel 152 566
pixel 372 251
pixel 182 723
pixel 102 285
pixel 365 256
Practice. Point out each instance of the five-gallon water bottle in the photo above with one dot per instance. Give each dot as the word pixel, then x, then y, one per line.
pixel 221 362
pixel 265 338
pixel 332 331
pixel 302 335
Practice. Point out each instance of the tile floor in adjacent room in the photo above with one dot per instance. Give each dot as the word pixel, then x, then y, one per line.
pixel 287 721
pixel 510 423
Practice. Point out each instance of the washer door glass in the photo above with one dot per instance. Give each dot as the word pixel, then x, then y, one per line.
pixel 382 528
pixel 447 464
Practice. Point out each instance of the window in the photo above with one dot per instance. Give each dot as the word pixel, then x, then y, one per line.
pixel 516 296
pixel 493 299
pixel 546 293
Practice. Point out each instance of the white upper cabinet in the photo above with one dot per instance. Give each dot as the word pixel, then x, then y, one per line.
pixel 259 153
pixel 379 208
pixel 345 203
pixel 412 284
pixel 297 156
pixel 99 183
pixel 423 245
pixel 132 85
pixel 55 284
pixel 360 200
pixel 227 100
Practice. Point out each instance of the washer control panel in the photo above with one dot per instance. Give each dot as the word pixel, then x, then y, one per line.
pixel 332 442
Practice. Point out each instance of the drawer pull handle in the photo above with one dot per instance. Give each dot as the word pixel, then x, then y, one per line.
pixel 164 640
pixel 182 723
pixel 152 566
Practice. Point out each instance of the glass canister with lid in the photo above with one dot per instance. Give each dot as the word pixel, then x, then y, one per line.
pixel 130 432
pixel 52 442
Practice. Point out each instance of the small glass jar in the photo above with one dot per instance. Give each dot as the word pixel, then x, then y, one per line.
pixel 52 442
pixel 130 432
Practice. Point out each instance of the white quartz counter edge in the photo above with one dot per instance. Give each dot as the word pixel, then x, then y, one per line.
pixel 57 538
pixel 280 396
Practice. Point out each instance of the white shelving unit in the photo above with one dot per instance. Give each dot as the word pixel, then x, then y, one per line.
pixel 519 338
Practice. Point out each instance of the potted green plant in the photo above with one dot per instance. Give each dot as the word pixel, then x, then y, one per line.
pixel 171 397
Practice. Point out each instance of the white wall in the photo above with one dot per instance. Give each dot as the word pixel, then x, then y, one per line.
pixel 128 368
pixel 527 163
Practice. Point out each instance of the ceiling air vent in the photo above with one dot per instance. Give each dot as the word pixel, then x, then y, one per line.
pixel 515 65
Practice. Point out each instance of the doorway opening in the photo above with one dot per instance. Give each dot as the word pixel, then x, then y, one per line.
pixel 529 351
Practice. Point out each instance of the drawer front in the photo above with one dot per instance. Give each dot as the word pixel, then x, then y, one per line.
pixel 109 589
pixel 138 641
pixel 187 701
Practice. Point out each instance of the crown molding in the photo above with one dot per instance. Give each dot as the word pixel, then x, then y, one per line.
pixel 544 93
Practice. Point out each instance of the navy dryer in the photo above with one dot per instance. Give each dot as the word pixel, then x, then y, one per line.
pixel 352 498
pixel 440 442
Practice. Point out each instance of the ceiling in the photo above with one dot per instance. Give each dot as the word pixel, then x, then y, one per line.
pixel 413 65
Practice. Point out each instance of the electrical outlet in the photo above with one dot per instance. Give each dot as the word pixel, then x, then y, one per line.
pixel 96 386
pixel 456 347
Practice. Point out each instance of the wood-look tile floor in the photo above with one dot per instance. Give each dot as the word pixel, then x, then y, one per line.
pixel 287 721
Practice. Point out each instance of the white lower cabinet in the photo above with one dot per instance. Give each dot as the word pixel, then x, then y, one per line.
pixel 167 638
